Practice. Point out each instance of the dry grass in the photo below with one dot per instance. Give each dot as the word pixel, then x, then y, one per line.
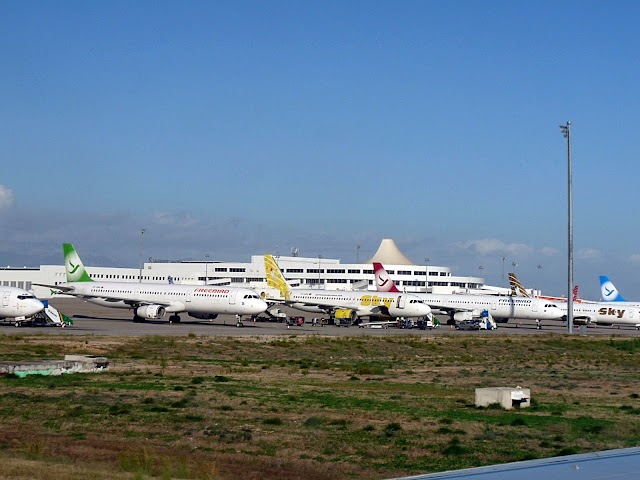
pixel 310 407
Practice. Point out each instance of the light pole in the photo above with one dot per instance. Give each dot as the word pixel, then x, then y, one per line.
pixel 142 230
pixel 566 132
pixel 503 259
pixel 539 267
pixel 206 268
pixel 358 254
pixel 426 274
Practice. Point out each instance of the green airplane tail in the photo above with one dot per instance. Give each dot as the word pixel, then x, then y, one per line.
pixel 73 265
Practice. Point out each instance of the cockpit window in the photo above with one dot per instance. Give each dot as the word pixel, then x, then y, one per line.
pixel 24 296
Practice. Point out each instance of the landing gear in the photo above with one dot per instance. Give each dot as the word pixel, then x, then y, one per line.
pixel 239 321
pixel 137 319
pixel 174 319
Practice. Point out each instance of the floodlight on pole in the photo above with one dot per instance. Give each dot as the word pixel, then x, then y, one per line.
pixel 566 132
pixel 142 230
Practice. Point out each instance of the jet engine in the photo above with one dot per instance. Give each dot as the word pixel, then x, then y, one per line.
pixel 203 316
pixel 151 311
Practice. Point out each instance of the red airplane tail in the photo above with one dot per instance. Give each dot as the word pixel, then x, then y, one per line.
pixel 383 280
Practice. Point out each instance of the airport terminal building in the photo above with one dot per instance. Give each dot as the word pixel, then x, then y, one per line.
pixel 309 272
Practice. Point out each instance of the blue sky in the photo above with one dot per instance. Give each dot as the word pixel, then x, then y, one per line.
pixel 239 128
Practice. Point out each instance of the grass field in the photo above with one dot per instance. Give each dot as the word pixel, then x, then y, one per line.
pixel 310 407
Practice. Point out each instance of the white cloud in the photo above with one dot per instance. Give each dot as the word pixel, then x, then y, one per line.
pixel 6 197
pixel 488 246
pixel 550 251
pixel 587 253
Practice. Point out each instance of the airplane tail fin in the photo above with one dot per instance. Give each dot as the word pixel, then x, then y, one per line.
pixel 275 278
pixel 517 289
pixel 575 293
pixel 73 265
pixel 608 291
pixel 383 280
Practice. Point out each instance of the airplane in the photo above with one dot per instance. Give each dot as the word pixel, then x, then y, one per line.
pixel 361 304
pixel 461 307
pixel 598 313
pixel 18 303
pixel 153 300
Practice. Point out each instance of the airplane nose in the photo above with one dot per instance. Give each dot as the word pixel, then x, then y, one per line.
pixel 34 307
pixel 259 306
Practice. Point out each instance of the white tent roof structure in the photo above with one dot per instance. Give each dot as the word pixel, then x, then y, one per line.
pixel 389 254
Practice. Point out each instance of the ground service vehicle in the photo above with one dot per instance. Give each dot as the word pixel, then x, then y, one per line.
pixel 471 324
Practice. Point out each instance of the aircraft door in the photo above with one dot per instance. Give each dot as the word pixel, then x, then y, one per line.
pixel 5 299
pixel 400 301
pixel 534 306
pixel 189 297
pixel 494 304
pixel 232 297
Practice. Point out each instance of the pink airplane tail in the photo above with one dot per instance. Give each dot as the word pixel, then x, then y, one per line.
pixel 383 280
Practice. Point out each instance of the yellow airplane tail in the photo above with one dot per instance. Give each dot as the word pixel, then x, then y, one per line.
pixel 275 278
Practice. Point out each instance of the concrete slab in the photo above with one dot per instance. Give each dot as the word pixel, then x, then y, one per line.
pixel 507 397
pixel 71 364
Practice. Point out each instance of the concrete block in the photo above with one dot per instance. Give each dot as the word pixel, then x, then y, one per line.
pixel 507 397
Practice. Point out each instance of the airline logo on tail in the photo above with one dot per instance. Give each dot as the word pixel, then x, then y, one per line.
pixel 73 265
pixel 275 278
pixel 608 291
pixel 383 280
pixel 517 289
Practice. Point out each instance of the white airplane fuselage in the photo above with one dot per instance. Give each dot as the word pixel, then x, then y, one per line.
pixel 174 298
pixel 363 303
pixel 16 302
pixel 605 313
pixel 500 307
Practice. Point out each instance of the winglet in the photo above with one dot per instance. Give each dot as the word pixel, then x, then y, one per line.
pixel 383 280
pixel 517 288
pixel 73 265
pixel 275 278
pixel 608 291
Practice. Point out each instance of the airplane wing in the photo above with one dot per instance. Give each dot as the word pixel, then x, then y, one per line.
pixel 107 298
pixel 450 310
pixel 60 288
pixel 326 307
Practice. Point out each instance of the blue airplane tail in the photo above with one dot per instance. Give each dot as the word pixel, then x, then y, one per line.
pixel 608 291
